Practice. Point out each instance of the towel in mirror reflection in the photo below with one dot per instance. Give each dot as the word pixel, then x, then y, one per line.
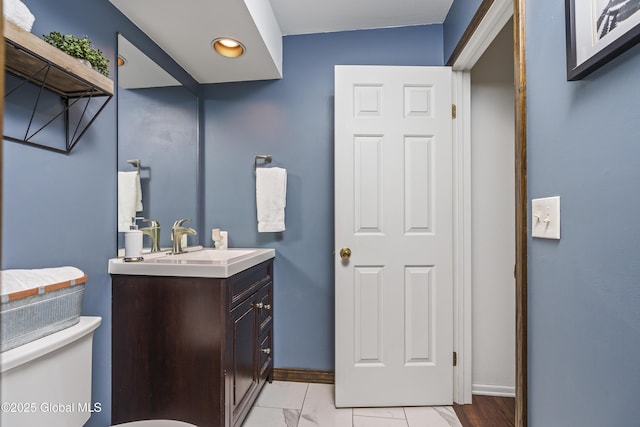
pixel 129 198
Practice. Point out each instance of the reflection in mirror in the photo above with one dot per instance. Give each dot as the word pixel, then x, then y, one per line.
pixel 157 125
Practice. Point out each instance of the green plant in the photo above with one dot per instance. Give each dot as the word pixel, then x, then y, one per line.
pixel 79 47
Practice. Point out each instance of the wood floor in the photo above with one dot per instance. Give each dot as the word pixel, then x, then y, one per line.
pixel 487 411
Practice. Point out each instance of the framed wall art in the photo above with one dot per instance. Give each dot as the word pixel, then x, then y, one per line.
pixel 598 31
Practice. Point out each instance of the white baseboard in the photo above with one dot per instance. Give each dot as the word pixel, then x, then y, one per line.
pixel 493 390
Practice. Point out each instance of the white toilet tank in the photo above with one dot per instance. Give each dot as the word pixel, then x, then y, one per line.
pixel 47 382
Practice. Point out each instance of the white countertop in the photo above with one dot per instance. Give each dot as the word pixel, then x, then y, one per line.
pixel 195 262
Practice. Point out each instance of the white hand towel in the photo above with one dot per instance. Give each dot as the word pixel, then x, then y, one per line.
pixel 129 198
pixel 271 198
pixel 18 13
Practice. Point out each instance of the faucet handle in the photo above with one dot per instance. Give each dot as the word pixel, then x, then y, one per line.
pixel 179 222
pixel 153 222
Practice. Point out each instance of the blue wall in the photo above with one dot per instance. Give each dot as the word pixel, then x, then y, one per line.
pixel 61 210
pixel 584 290
pixel 292 119
pixel 457 21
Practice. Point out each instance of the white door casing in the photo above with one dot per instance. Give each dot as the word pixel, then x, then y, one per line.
pixel 393 209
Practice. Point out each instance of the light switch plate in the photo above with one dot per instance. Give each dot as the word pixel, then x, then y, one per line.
pixel 545 218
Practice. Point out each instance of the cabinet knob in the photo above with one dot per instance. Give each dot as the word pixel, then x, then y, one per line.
pixel 261 306
pixel 266 350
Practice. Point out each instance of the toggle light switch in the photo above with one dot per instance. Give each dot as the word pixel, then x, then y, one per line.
pixel 545 218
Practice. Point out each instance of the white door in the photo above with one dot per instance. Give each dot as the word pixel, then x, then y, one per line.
pixel 393 211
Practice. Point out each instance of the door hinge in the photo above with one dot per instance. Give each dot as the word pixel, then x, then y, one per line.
pixel 454 111
pixel 455 359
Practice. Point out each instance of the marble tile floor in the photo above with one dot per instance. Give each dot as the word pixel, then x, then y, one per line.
pixel 291 404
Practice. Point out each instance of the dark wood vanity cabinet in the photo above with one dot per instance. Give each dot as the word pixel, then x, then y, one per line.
pixel 192 349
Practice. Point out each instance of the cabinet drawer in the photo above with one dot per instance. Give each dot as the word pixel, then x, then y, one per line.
pixel 265 354
pixel 265 307
pixel 244 284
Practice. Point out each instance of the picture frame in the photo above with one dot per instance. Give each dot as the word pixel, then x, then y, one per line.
pixel 597 31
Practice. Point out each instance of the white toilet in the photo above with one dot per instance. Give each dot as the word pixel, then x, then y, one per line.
pixel 47 382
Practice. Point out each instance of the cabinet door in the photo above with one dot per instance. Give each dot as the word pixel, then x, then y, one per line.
pixel 167 350
pixel 244 340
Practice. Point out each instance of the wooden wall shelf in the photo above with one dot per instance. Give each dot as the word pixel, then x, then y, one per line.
pixel 38 62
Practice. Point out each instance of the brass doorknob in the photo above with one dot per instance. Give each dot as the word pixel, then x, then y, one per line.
pixel 345 253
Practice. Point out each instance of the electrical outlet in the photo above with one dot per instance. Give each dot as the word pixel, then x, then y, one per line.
pixel 545 220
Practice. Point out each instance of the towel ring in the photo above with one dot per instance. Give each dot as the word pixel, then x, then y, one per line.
pixel 266 157
pixel 135 163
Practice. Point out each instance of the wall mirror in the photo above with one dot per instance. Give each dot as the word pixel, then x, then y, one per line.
pixel 157 126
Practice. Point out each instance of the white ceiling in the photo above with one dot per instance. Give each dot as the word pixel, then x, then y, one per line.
pixel 186 29
pixel 139 71
pixel 312 16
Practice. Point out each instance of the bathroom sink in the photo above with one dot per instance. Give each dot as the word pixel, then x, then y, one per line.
pixel 205 256
pixel 196 262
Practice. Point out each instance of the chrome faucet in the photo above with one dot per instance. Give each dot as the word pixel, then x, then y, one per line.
pixel 152 231
pixel 177 231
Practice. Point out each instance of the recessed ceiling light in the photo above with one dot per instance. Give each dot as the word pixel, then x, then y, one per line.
pixel 121 61
pixel 228 47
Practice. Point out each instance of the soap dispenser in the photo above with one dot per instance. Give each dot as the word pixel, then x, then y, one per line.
pixel 133 242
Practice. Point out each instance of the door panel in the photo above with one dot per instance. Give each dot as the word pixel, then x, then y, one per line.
pixel 368 316
pixel 418 306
